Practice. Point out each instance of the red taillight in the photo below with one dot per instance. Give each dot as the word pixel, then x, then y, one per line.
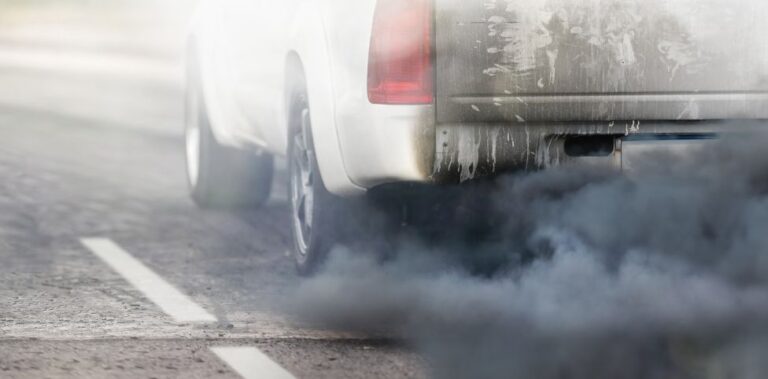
pixel 400 61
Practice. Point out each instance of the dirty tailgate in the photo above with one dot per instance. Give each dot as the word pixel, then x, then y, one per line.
pixel 601 60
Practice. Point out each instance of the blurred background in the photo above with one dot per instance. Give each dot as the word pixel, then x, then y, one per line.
pixel 116 63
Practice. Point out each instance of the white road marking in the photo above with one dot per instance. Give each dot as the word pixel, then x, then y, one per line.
pixel 251 363
pixel 160 292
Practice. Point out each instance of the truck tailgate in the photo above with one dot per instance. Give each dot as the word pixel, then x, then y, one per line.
pixel 601 60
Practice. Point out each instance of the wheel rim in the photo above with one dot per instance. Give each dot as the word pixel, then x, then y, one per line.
pixel 302 187
pixel 193 137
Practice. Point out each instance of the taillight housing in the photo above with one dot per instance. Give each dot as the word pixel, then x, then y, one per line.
pixel 400 64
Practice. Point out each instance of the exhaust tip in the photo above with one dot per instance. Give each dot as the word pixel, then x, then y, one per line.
pixel 590 146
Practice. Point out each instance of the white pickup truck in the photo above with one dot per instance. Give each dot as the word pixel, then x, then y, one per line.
pixel 359 94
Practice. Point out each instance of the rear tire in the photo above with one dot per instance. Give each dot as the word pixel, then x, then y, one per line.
pixel 220 176
pixel 314 211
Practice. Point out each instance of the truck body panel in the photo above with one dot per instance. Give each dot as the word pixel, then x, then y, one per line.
pixel 601 60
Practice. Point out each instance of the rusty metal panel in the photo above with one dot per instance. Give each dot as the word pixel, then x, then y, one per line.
pixel 601 60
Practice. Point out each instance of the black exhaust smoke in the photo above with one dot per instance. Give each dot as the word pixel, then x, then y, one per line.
pixel 660 274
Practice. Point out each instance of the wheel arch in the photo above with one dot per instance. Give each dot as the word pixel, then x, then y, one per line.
pixel 309 55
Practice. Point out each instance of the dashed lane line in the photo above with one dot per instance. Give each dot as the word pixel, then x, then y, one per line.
pixel 248 362
pixel 157 290
pixel 251 363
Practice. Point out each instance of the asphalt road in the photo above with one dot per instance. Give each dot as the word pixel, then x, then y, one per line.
pixel 91 147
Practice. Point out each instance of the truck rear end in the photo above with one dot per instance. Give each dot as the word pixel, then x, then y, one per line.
pixel 527 84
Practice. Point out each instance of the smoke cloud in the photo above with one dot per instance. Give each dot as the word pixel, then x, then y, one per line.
pixel 662 273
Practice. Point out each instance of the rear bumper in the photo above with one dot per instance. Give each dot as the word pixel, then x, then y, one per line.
pixel 402 144
pixel 465 152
